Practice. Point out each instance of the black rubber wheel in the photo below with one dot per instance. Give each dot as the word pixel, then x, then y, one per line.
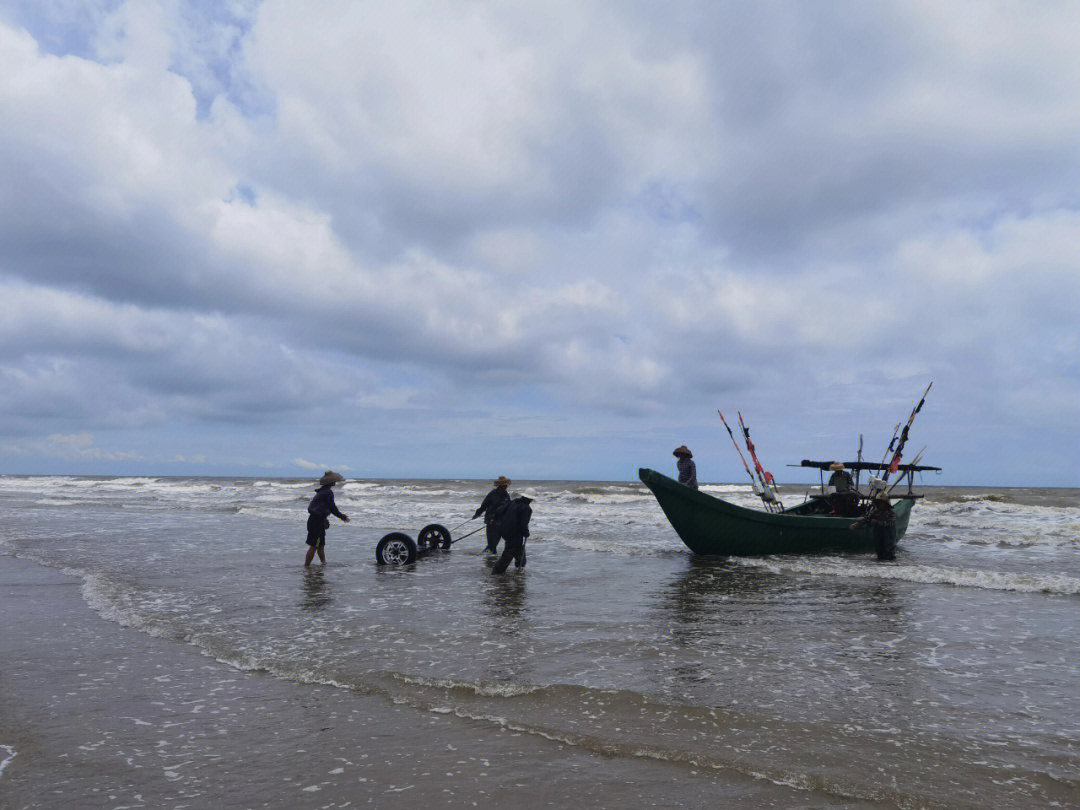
pixel 433 536
pixel 395 549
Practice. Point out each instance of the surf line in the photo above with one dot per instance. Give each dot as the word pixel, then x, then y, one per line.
pixel 12 753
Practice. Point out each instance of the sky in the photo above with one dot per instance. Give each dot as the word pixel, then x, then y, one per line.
pixel 545 240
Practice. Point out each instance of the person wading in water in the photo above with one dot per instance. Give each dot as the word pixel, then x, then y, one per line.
pixel 319 510
pixel 686 465
pixel 514 526
pixel 883 519
pixel 491 508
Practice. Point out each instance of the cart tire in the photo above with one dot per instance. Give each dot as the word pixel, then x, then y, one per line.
pixel 433 536
pixel 395 549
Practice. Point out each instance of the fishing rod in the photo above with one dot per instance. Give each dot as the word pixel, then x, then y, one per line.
pixel 892 444
pixel 767 480
pixel 858 470
pixel 753 483
pixel 904 435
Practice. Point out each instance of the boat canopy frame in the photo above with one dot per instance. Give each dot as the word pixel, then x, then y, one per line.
pixel 905 470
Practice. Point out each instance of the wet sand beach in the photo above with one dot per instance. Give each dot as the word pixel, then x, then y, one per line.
pixel 101 716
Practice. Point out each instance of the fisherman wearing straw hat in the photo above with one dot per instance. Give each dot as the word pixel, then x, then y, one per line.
pixel 319 510
pixel 686 465
pixel 840 478
pixel 491 508
pixel 844 500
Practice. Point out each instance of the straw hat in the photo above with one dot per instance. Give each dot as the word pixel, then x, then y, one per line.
pixel 527 494
pixel 882 496
pixel 330 478
pixel 836 466
pixel 682 450
pixel 502 481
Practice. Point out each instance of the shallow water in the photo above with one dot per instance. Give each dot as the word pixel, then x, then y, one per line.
pixel 946 679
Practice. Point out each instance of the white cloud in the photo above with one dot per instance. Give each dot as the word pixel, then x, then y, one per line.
pixel 559 213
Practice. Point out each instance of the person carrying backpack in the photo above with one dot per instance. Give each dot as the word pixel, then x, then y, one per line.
pixel 514 528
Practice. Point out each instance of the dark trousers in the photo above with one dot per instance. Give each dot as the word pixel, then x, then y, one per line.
pixel 885 540
pixel 316 530
pixel 493 536
pixel 514 550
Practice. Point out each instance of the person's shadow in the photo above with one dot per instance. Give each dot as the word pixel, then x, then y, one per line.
pixel 316 594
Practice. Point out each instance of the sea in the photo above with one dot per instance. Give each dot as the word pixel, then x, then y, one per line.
pixel 163 646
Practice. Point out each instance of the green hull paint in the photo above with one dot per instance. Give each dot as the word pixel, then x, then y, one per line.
pixel 710 525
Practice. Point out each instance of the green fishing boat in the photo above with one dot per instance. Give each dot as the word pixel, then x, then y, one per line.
pixel 710 525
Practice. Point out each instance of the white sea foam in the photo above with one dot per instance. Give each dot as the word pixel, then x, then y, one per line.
pixel 967 578
pixel 726 489
pixel 9 755
pixel 273 513
pixel 665 542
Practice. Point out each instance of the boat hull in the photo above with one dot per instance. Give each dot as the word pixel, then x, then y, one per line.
pixel 711 526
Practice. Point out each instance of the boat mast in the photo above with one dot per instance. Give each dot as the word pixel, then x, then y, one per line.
pixel 767 480
pixel 753 483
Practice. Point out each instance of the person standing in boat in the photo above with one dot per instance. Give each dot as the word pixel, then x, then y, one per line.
pixel 840 478
pixel 319 510
pixel 686 465
pixel 883 519
pixel 845 500
pixel 492 505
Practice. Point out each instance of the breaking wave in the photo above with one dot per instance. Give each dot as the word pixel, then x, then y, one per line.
pixel 927 575
pixel 9 753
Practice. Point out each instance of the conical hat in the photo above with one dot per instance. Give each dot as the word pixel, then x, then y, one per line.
pixel 330 477
pixel 682 450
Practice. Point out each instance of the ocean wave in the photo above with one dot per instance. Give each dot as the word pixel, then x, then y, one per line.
pixel 272 484
pixel 9 753
pixel 595 498
pixel 67 503
pixel 278 513
pixel 927 575
pixel 963 505
pixel 666 544
pixel 726 489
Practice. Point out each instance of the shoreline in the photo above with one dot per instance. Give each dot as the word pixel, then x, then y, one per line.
pixel 101 715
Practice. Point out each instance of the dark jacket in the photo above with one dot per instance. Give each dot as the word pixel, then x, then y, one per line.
pixel 841 479
pixel 687 471
pixel 323 504
pixel 488 508
pixel 515 522
pixel 881 514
